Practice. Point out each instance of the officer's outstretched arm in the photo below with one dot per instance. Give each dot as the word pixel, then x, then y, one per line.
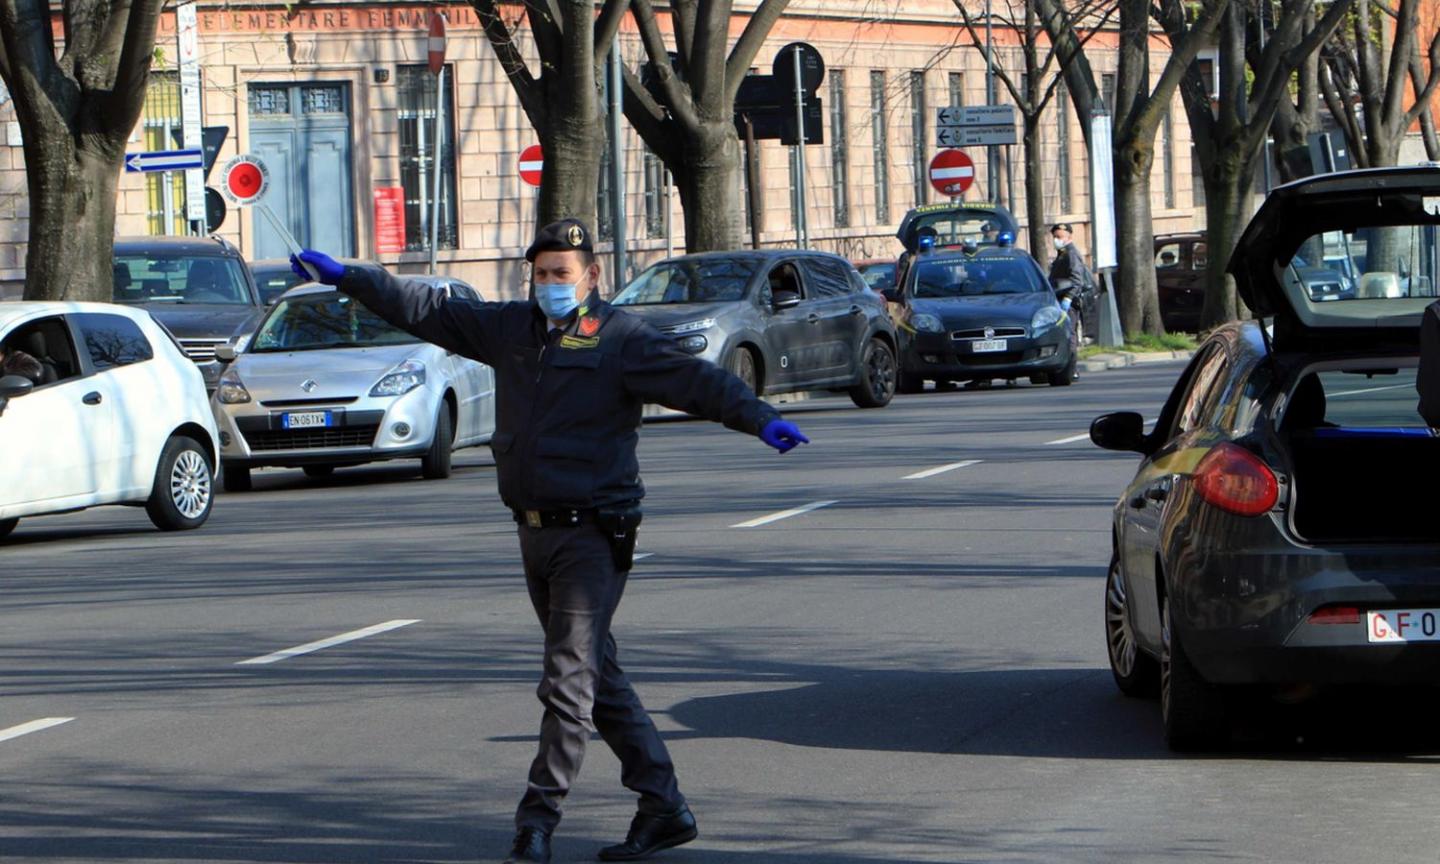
pixel 657 371
pixel 465 327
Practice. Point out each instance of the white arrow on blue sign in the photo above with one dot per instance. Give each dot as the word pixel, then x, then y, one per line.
pixel 165 160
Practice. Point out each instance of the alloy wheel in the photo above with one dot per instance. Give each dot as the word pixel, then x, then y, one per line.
pixel 882 373
pixel 1117 625
pixel 190 485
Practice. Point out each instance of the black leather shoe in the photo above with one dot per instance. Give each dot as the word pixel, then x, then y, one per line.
pixel 650 834
pixel 531 844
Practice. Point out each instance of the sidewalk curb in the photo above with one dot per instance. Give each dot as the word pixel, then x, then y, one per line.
pixel 1124 359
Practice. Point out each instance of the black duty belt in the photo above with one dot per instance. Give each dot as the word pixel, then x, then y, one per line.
pixel 553 518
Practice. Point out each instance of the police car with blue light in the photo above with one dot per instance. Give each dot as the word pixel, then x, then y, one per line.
pixel 976 312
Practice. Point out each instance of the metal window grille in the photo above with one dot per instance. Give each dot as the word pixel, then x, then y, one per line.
pixel 917 128
pixel 416 94
pixel 839 149
pixel 880 146
pixel 269 100
pixel 164 196
pixel 326 99
pixel 1062 150
pixel 654 195
pixel 957 89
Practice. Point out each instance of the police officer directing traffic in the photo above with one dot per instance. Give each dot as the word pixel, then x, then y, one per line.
pixel 572 376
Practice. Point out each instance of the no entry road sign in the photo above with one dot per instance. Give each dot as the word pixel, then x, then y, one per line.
pixel 532 162
pixel 952 172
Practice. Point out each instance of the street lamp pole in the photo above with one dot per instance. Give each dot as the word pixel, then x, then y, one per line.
pixel 992 168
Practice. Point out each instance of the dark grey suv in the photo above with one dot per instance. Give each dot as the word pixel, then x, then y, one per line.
pixel 782 320
pixel 197 287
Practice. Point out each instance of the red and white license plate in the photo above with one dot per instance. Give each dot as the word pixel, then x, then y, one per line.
pixel 1403 625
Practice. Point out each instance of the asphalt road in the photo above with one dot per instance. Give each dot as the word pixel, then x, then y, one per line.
pixel 914 672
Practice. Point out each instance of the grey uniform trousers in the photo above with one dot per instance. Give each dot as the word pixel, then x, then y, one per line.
pixel 575 590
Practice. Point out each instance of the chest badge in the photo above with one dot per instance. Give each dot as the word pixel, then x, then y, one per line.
pixel 589 326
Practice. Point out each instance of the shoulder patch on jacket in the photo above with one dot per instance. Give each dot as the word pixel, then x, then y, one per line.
pixel 579 342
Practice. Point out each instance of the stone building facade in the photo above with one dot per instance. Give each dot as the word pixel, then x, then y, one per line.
pixel 335 96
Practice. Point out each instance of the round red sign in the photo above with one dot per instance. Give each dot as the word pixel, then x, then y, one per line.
pixel 532 161
pixel 245 179
pixel 952 172
pixel 436 43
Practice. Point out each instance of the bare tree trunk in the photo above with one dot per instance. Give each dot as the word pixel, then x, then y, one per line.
pixel 1227 210
pixel 72 219
pixel 709 184
pixel 1139 300
pixel 571 173
pixel 1034 186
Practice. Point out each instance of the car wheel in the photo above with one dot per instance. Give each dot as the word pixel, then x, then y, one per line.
pixel 877 376
pixel 184 486
pixel 318 472
pixel 742 366
pixel 237 480
pixel 435 464
pixel 1136 673
pixel 907 383
pixel 1065 377
pixel 1192 709
pixel 6 526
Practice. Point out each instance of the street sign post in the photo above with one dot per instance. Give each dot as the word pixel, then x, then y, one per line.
pixel 975 126
pixel 952 172
pixel 437 68
pixel 187 30
pixel 532 163
pixel 165 160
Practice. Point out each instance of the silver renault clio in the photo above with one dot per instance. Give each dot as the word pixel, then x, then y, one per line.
pixel 325 383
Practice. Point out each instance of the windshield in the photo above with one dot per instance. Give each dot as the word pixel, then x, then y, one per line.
pixel 326 320
pixel 1393 262
pixel 953 229
pixel 968 277
pixel 273 283
pixel 706 280
pixel 879 276
pixel 179 278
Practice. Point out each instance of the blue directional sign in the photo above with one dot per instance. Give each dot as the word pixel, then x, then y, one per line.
pixel 165 160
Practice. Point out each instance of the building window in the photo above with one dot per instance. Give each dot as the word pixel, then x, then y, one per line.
pixel 1107 87
pixel 917 129
pixel 957 89
pixel 880 145
pixel 1167 157
pixel 1062 150
pixel 654 195
pixel 604 217
pixel 415 112
pixel 164 190
pixel 839 149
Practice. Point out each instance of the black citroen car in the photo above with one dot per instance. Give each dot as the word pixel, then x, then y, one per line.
pixel 1269 538
pixel 981 313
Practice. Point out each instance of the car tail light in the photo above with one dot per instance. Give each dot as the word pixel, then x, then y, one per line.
pixel 1235 480
pixel 1335 615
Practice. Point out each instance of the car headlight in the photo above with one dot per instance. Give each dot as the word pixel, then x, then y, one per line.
pixel 1046 317
pixel 694 344
pixel 231 390
pixel 400 380
pixel 691 327
pixel 927 323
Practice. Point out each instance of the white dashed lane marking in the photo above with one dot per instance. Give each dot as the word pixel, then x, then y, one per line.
pixel 33 726
pixel 341 639
pixel 784 514
pixel 931 472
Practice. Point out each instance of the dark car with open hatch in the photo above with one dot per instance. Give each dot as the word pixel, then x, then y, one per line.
pixel 1269 540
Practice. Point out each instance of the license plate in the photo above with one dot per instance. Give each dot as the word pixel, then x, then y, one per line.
pixel 1403 625
pixel 988 345
pixel 306 420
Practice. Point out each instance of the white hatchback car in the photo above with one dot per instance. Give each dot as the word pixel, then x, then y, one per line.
pixel 326 383
pixel 117 415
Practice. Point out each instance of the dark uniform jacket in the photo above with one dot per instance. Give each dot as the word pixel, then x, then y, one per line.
pixel 568 404
pixel 1068 269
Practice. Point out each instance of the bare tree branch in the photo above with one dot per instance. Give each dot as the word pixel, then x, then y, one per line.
pixel 545 26
pixel 1423 94
pixel 512 63
pixel 1338 98
pixel 757 30
pixel 682 15
pixel 672 90
pixel 608 24
pixel 706 72
pixel 133 71
pixel 649 118
pixel 1407 22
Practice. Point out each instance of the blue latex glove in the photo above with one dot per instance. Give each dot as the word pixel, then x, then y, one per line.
pixel 782 435
pixel 325 269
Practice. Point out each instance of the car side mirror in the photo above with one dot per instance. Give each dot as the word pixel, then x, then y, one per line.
pixel 891 294
pixel 226 353
pixel 785 300
pixel 15 385
pixel 1123 431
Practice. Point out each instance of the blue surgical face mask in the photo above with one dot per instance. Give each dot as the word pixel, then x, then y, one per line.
pixel 557 299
